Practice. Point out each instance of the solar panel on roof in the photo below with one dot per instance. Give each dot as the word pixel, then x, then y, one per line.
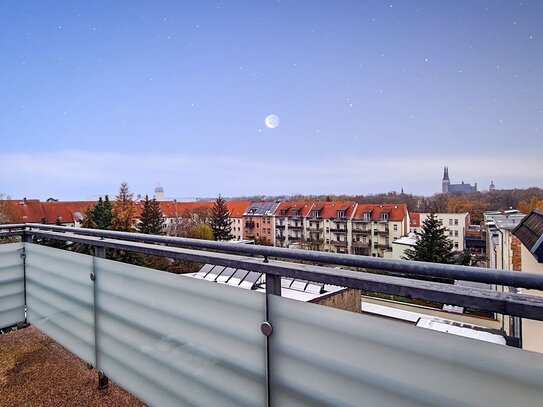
pixel 298 285
pixel 238 277
pixel 213 273
pixel 225 275
pixel 204 270
pixel 315 288
pixel 286 282
pixel 250 280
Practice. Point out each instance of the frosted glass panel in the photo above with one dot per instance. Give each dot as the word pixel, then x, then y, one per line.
pixel 325 356
pixel 60 297
pixel 175 340
pixel 11 285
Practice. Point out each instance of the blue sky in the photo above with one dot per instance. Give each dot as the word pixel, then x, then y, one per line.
pixel 371 96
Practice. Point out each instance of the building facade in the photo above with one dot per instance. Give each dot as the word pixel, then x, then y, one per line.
pixel 462 188
pixel 456 223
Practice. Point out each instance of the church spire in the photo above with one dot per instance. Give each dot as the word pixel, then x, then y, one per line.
pixel 446 173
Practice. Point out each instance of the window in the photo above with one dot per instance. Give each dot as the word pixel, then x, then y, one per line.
pixel 384 216
pixel 456 244
pixel 296 212
pixel 366 216
pixel 340 214
pixel 315 214
pixel 327 229
pixel 456 222
pixel 395 228
pixel 450 232
pixel 456 233
pixel 450 222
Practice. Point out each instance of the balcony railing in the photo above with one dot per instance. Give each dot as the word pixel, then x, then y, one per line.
pixel 280 226
pixel 295 227
pixel 338 230
pixel 314 229
pixel 176 340
pixel 339 243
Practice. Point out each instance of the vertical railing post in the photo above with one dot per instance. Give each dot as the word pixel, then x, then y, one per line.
pixel 27 238
pixel 273 287
pixel 103 381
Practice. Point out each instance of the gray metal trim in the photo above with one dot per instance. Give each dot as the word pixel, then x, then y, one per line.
pixel 478 274
pixel 488 300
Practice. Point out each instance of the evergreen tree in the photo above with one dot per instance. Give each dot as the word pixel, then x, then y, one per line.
pixel 123 212
pixel 220 221
pixel 102 213
pixel 151 219
pixel 433 246
pixel 123 219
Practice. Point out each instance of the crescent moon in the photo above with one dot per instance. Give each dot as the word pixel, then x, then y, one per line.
pixel 271 121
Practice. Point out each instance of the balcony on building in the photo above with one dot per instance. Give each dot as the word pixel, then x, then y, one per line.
pixel 339 230
pixel 295 227
pixel 280 226
pixel 255 327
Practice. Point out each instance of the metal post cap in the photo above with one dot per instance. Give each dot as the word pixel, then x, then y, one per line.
pixel 266 328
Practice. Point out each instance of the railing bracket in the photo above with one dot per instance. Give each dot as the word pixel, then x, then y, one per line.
pixel 92 276
pixel 103 381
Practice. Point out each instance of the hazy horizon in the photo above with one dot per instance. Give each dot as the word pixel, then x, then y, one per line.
pixel 370 97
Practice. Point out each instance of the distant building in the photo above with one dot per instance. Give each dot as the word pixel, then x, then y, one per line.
pixel 492 187
pixel 456 225
pixel 259 221
pixel 461 189
pixel 159 193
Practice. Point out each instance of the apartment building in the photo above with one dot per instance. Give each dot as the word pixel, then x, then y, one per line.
pixel 456 223
pixel 503 248
pixel 329 224
pixel 375 227
pixel 289 223
pixel 236 209
pixel 258 221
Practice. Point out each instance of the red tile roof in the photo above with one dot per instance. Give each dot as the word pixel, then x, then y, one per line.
pixel 237 208
pixel 289 208
pixel 66 212
pixel 414 220
pixel 328 210
pixel 396 212
pixel 28 211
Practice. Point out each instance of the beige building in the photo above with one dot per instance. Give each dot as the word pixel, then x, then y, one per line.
pixel 503 248
pixel 530 234
pixel 456 224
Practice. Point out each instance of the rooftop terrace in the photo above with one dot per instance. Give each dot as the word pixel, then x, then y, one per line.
pixel 175 340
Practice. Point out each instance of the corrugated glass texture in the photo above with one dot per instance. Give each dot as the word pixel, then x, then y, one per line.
pixel 325 356
pixel 12 301
pixel 174 340
pixel 60 297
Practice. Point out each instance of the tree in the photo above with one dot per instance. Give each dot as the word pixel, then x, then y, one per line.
pixel 201 231
pixel 151 218
pixel 220 221
pixel 433 246
pixel 102 213
pixel 88 223
pixel 123 219
pixel 123 213
pixel 534 203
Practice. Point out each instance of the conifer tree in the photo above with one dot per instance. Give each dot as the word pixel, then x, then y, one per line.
pixel 123 219
pixel 220 221
pixel 151 219
pixel 101 213
pixel 123 212
pixel 434 246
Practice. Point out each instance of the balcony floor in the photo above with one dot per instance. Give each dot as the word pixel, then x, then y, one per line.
pixel 37 371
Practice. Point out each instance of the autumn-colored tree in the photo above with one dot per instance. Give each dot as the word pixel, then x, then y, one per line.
pixel 8 212
pixel 462 204
pixel 123 212
pixel 201 231
pixel 527 206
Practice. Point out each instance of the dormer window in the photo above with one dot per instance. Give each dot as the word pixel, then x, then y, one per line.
pixel 315 214
pixel 296 212
pixel 340 214
pixel 384 216
pixel 366 216
pixel 283 212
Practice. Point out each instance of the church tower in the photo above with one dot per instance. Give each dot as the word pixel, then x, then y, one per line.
pixel 446 181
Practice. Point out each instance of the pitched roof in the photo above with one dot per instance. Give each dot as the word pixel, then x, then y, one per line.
pixel 171 209
pixel 28 210
pixel 414 220
pixel 530 233
pixel 396 212
pixel 237 208
pixel 291 206
pixel 261 208
pixel 65 212
pixel 328 210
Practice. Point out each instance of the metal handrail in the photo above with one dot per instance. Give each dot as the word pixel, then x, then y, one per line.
pixel 449 271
